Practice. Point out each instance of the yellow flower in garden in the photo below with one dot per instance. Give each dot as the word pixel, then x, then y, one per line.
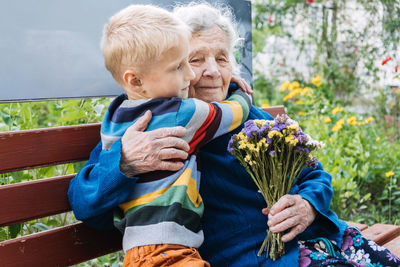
pixel 299 102
pixel 370 119
pixel 330 139
pixel 352 120
pixel 378 139
pixel 336 110
pixel 338 125
pixel 361 122
pixel 284 86
pixel 306 91
pixel 300 113
pixel 327 120
pixel 291 95
pixel 388 174
pixel 265 105
pixel 316 81
pixel 294 85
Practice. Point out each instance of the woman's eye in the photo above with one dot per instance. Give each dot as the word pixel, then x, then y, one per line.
pixel 194 60
pixel 222 59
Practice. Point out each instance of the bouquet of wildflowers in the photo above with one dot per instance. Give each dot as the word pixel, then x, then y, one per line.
pixel 273 152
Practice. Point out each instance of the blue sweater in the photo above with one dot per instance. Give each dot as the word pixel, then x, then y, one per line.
pixel 233 224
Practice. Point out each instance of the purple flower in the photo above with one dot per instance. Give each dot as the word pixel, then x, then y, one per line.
pixel 263 130
pixel 281 118
pixel 250 129
pixel 302 137
pixel 313 163
pixel 302 149
pixel 230 144
pixel 272 153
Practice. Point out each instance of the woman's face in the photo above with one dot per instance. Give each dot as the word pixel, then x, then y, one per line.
pixel 209 59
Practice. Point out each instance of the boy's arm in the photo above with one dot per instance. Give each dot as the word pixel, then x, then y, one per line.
pixel 206 121
pixel 99 187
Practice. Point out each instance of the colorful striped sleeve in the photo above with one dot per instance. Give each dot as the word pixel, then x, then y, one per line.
pixel 206 121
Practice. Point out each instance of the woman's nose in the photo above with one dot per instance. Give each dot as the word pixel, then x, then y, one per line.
pixel 211 69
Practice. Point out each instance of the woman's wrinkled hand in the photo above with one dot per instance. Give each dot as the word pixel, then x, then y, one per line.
pixel 290 212
pixel 143 152
pixel 243 85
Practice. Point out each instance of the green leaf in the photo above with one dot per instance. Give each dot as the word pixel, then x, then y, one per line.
pixel 3 234
pixel 14 230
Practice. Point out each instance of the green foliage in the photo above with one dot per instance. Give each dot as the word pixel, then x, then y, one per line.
pixel 327 39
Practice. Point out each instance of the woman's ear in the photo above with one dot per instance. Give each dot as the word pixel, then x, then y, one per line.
pixel 132 80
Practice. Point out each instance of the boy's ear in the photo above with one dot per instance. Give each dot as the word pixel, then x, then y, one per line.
pixel 132 79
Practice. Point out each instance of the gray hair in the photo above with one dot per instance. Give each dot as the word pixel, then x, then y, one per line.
pixel 202 16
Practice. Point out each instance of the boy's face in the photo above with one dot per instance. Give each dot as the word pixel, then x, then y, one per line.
pixel 170 75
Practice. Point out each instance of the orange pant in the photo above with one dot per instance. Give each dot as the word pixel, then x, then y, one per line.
pixel 163 255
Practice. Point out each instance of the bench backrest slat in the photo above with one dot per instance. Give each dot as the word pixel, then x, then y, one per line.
pixel 63 246
pixel 34 199
pixel 49 146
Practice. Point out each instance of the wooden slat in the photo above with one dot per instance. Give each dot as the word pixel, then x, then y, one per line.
pixel 275 110
pixel 35 199
pixel 63 246
pixel 394 246
pixel 43 147
pixel 381 233
pixel 360 226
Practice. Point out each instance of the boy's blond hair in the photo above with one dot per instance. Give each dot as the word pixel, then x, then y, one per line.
pixel 139 34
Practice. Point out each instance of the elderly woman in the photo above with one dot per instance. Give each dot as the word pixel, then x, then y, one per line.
pixel 234 220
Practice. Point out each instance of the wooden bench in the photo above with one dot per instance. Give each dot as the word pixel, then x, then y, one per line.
pixel 72 244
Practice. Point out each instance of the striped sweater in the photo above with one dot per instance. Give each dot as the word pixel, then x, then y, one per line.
pixel 166 207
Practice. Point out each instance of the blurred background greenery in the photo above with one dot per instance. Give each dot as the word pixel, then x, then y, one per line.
pixel 323 60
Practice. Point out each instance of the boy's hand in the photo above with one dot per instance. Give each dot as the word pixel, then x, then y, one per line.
pixel 143 152
pixel 244 86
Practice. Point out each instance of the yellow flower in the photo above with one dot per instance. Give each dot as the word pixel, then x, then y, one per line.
pixel 388 174
pixel 294 85
pixel 293 128
pixel 338 125
pixel 361 122
pixel 241 136
pixel 299 102
pixel 291 140
pixel 370 119
pixel 291 95
pixel 327 120
pixel 300 113
pixel 352 120
pixel 272 134
pixel 265 105
pixel 336 110
pixel 284 86
pixel 378 139
pixel 330 139
pixel 259 123
pixel 306 91
pixel 316 81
